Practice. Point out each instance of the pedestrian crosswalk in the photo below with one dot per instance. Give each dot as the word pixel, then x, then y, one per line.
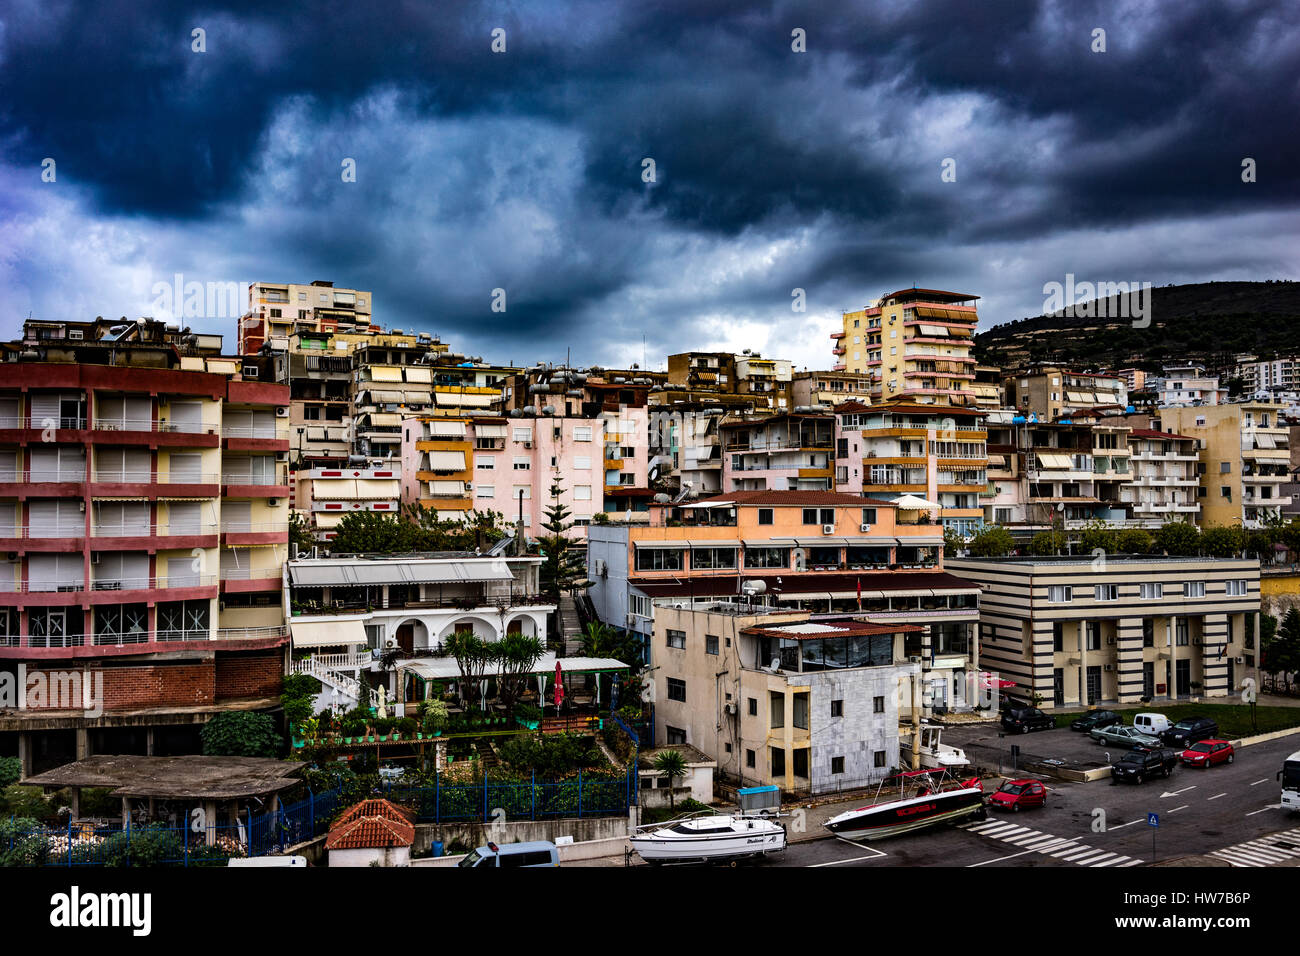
pixel 1066 850
pixel 1265 851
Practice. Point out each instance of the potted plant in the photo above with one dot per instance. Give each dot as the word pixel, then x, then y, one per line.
pixel 528 716
pixel 433 716
pixel 408 727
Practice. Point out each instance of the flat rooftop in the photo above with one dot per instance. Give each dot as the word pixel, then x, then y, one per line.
pixel 175 778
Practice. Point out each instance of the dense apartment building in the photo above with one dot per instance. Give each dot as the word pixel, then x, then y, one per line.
pixel 1187 385
pixel 685 448
pixel 767 384
pixel 822 391
pixel 1245 459
pixel 1053 392
pixel 278 309
pixel 780 698
pixel 817 551
pixel 1076 632
pixel 898 448
pixel 1275 377
pixel 144 512
pixel 914 344
pixel 778 453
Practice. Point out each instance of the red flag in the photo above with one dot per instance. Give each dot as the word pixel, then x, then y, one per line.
pixel 859 594
pixel 559 687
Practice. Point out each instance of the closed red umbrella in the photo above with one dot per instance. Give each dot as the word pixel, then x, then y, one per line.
pixel 559 687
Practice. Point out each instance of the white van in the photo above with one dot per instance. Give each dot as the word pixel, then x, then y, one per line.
pixel 1152 724
pixel 534 853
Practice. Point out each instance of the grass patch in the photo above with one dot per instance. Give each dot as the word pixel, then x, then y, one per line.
pixel 1233 719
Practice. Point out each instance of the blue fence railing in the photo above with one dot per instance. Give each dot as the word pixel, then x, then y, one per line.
pixel 586 795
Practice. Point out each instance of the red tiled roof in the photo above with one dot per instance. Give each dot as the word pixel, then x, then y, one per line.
pixel 372 824
pixel 807 582
pixel 794 498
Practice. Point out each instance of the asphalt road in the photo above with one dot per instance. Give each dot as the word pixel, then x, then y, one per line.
pixel 1201 811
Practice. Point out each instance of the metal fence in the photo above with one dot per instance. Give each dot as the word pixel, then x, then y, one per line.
pixel 163 845
pixel 586 795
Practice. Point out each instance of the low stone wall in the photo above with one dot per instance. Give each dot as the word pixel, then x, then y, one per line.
pixel 584 830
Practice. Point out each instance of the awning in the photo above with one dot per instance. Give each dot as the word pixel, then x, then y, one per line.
pixel 730 545
pixel 385 373
pixel 384 397
pixel 330 573
pixel 327 633
pixel 914 503
pixel 660 545
pixel 490 431
pixel 935 330
pixel 418 396
pixel 767 543
pixel 378 488
pixel 1078 397
pixel 446 460
pixel 922 541
pixel 463 399
pixel 445 668
pixel 386 419
pixel 418 374
pixel 1055 462
pixel 447 488
pixel 446 429
pixel 871 542
pixel 316 434
pixel 328 519
pixel 829 541
pixel 221 368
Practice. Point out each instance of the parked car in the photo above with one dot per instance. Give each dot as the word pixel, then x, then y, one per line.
pixel 1144 763
pixel 1095 719
pixel 1121 736
pixel 533 853
pixel 1188 731
pixel 1018 795
pixel 1204 753
pixel 1152 724
pixel 1024 720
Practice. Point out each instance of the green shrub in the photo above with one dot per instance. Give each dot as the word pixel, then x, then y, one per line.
pixel 991 541
pixel 11 770
pixel 1133 541
pixel 240 733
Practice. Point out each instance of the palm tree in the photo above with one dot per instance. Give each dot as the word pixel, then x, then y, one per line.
pixel 670 765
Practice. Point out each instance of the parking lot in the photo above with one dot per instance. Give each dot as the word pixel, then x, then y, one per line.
pixel 988 746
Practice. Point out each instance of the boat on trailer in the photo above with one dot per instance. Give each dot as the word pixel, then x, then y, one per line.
pixel 707 836
pixel 909 801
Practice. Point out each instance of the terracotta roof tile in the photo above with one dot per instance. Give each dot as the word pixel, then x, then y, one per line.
pixel 372 824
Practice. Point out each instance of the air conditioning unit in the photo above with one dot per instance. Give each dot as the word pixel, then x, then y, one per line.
pixel 1110 640
pixel 731 709
pixel 1108 667
pixel 864 528
pixel 1197 641
pixel 282 411
pixel 281 456
pixel 828 529
pixel 1239 660
pixel 528 444
pixel 631 619
pixel 273 502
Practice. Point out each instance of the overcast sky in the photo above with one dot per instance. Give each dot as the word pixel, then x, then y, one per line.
pixel 524 170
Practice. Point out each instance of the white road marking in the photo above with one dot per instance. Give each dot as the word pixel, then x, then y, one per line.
pixel 1174 793
pixel 1066 849
pixel 1176 809
pixel 1088 858
pixel 1275 806
pixel 1217 795
pixel 1108 859
pixel 1001 858
pixel 813 866
pixel 1258 782
pixel 1132 863
pixel 1121 826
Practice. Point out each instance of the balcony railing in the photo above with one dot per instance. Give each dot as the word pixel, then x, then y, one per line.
pixel 149 425
pixel 249 574
pixel 259 527
pixel 250 431
pixel 245 478
pixel 29 421
pixel 143 477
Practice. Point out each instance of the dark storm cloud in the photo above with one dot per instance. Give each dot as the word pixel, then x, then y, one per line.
pixel 524 170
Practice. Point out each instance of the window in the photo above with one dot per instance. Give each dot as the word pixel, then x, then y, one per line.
pixel 521 464
pixel 676 689
pixel 1105 592
pixel 800 762
pixel 810 516
pixel 1151 591
pixel 677 639
pixel 776 708
pixel 1058 594
pixel 582 433
pixel 778 762
pixel 485 491
pixel 878 758
pixel 582 463
pixel 1225 492
pixel 837 708
pixel 1235 588
pixel 1148 632
pixel 713 559
pixel 764 515
pixel 837 765
pixel 710 643
pixel 1058 636
pixel 523 434
pixel 639 605
pixel 1225 467
pixel 675 735
pixel 582 492
pixel 658 559
pixel 1092 636
pixel 1193 589
pixel 753 709
pixel 818 515
pixel 767 557
pixel 749 758
pixel 1180 632
pixel 878 705
pixel 868 515
pixel 799 716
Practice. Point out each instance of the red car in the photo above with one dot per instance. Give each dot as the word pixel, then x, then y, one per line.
pixel 1206 752
pixel 1018 795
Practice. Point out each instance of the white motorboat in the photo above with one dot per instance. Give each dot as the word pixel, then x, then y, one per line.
pixel 924 798
pixel 708 836
pixel 934 753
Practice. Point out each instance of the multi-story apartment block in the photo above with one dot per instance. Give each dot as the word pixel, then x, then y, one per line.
pixel 326 495
pixel 916 343
pixel 782 699
pixel 816 551
pixel 1058 474
pixel 901 448
pixel 825 390
pixel 1052 392
pixel 1273 378
pixel 1135 379
pixel 278 309
pixel 1188 385
pixel 686 448
pixel 765 383
pixel 989 391
pixel 144 511
pixel 1163 482
pixel 1075 631
pixel 1245 459
pixel 778 453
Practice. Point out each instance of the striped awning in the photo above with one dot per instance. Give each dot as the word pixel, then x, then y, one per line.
pixel 330 633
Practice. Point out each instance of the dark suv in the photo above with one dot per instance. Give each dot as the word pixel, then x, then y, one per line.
pixel 1023 720
pixel 1094 719
pixel 1144 763
pixel 1188 731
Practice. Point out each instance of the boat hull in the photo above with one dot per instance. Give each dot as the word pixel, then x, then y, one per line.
pixel 903 816
pixel 677 848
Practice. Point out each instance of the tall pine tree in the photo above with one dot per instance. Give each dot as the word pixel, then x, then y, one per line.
pixel 564 569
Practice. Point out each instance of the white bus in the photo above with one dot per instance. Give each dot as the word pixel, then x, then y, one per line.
pixel 1290 777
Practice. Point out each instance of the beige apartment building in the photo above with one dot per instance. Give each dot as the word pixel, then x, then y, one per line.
pixel 1075 631
pixel 278 309
pixel 1053 392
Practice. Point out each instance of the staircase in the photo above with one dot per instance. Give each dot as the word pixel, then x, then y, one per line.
pixel 349 688
pixel 570 626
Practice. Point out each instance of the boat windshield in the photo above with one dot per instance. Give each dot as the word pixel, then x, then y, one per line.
pixel 702 827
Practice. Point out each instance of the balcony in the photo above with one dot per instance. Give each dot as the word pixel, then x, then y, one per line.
pixel 239 580
pixel 116 584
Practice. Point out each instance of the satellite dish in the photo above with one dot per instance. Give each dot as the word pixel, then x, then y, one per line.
pixel 776 664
